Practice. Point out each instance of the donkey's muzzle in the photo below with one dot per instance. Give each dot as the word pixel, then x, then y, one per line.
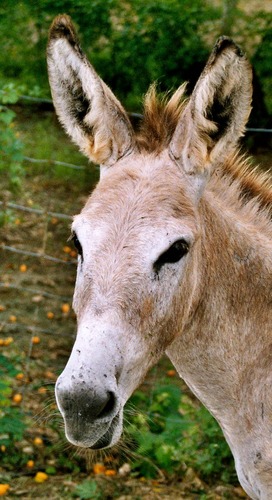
pixel 90 413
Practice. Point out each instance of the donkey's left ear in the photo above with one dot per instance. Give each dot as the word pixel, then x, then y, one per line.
pixel 87 108
pixel 217 112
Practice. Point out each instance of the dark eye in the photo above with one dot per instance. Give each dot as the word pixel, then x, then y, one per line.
pixel 172 255
pixel 77 244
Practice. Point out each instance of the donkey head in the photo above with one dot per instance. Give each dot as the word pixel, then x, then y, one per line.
pixel 139 235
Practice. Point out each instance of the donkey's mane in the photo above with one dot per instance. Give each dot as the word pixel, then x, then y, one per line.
pixel 254 182
pixel 160 118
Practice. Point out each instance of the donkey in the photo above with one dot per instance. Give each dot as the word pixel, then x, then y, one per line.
pixel 174 254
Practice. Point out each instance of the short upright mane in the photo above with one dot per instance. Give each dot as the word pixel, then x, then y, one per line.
pixel 161 115
pixel 254 183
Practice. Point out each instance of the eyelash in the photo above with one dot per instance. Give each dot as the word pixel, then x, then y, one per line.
pixel 77 244
pixel 172 255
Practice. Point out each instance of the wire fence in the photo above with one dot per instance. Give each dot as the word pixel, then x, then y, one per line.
pixel 47 214
pixel 54 162
pixel 17 283
pixel 39 255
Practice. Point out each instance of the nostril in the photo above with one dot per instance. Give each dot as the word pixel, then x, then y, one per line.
pixel 89 405
pixel 108 406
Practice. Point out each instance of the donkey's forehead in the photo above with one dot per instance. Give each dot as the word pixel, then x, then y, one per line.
pixel 147 186
pixel 136 203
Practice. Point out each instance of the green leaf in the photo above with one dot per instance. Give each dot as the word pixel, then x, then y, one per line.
pixel 6 115
pixel 88 490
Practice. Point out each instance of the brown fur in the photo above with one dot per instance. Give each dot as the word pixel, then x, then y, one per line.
pixel 253 181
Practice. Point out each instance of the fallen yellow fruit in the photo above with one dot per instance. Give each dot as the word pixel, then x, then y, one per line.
pixel 40 477
pixel 38 441
pixel 110 472
pixel 17 398
pixel 4 489
pixel 36 340
pixel 65 308
pixel 23 268
pixel 99 468
pixel 42 390
pixel 67 249
pixel 8 341
pixel 30 464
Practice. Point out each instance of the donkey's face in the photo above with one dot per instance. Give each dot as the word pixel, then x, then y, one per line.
pixel 138 237
pixel 135 283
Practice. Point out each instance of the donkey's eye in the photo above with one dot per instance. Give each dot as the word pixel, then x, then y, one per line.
pixel 173 254
pixel 77 244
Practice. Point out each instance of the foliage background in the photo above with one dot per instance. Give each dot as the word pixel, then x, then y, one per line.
pixel 132 43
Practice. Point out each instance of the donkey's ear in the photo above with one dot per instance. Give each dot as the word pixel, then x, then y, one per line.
pixel 87 108
pixel 217 112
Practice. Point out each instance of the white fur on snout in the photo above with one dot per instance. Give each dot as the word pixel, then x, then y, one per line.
pixel 95 358
pixel 91 373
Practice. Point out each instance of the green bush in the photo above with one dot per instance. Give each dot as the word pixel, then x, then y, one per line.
pixel 262 65
pixel 11 147
pixel 12 419
pixel 134 43
pixel 155 40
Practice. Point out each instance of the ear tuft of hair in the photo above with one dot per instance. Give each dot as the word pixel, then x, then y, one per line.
pixel 62 27
pixel 223 43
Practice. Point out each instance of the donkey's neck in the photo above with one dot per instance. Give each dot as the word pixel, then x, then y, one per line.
pixel 229 331
pixel 224 354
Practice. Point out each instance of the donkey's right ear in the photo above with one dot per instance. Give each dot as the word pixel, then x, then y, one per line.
pixel 87 108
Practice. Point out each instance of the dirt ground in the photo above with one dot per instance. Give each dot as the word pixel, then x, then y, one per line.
pixel 61 487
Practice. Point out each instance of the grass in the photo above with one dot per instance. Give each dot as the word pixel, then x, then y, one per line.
pixel 43 138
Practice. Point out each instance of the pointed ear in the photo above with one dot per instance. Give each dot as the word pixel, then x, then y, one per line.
pixel 87 108
pixel 217 112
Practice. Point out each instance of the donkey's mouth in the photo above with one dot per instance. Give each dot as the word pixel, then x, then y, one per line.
pixel 94 436
pixel 110 437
